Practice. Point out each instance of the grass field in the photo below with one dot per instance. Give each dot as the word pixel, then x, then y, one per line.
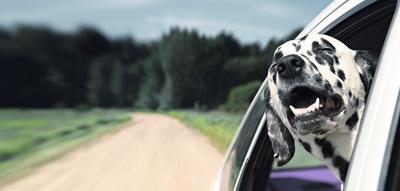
pixel 31 137
pixel 220 127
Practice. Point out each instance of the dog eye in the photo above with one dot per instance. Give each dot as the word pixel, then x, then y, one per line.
pixel 329 50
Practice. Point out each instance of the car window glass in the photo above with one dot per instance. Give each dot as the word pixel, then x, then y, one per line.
pixel 239 150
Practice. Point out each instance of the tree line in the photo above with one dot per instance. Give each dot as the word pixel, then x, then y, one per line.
pixel 41 67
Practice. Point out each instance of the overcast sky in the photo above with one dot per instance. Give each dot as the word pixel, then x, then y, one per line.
pixel 248 20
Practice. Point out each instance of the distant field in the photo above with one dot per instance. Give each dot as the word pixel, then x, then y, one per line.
pixel 220 127
pixel 30 137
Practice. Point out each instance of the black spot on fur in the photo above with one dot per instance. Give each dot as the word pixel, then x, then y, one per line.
pixel 368 63
pixel 327 58
pixel 298 47
pixel 315 46
pixel 319 60
pixel 352 121
pixel 318 79
pixel 312 69
pixel 356 102
pixel 335 59
pixel 305 145
pixel 309 53
pixel 341 164
pixel 323 53
pixel 350 94
pixel 341 74
pixel 328 87
pixel 326 147
pixel 332 69
pixel 328 44
pixel 277 56
pixel 339 84
pixel 365 81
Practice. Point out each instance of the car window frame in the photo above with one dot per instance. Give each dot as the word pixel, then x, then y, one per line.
pixel 259 99
pixel 369 163
pixel 392 155
pixel 333 14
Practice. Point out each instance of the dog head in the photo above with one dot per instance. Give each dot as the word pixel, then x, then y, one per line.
pixel 315 85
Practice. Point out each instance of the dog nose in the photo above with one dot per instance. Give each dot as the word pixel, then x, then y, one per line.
pixel 289 66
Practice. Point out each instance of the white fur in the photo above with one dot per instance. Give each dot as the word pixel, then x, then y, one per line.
pixel 339 135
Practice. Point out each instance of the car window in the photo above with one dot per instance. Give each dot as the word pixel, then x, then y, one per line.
pixel 238 151
pixel 364 30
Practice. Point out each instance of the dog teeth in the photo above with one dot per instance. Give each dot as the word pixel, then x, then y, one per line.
pixel 301 111
pixel 294 110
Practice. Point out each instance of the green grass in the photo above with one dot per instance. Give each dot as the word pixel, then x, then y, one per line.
pixel 31 137
pixel 220 127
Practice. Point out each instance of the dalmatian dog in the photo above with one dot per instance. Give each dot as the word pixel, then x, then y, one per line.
pixel 316 93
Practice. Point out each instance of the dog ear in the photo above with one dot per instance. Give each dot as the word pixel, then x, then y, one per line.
pixel 367 64
pixel 281 139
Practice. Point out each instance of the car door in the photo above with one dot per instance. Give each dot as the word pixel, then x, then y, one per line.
pixel 360 25
pixel 390 175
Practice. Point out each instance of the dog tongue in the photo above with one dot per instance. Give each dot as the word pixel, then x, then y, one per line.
pixel 330 103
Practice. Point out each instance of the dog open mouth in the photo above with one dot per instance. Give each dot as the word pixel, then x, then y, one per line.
pixel 309 107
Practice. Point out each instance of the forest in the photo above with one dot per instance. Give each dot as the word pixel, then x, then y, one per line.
pixel 45 68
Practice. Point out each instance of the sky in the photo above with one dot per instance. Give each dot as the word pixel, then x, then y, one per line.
pixel 249 20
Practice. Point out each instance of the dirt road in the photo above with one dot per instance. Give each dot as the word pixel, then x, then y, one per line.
pixel 155 152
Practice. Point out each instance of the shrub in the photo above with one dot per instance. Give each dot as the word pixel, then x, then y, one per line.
pixel 240 97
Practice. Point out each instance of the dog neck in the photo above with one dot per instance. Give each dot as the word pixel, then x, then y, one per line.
pixel 334 148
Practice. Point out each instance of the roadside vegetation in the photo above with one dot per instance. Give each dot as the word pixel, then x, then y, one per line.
pixel 31 137
pixel 220 127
